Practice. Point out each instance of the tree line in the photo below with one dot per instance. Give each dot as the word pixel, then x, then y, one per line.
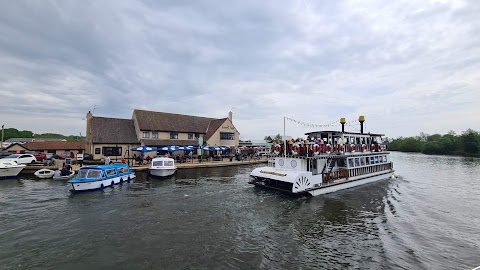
pixel 465 144
pixel 15 133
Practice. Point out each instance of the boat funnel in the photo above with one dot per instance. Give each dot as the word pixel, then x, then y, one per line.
pixel 361 119
pixel 343 121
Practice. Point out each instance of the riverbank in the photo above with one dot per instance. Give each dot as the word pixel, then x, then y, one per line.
pixel 30 169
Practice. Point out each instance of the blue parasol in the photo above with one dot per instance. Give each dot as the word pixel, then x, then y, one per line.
pixel 171 148
pixel 144 149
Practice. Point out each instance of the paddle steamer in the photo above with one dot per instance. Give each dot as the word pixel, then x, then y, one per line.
pixel 326 162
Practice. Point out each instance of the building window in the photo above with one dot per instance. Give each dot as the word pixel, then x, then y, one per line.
pixel 146 134
pixel 155 135
pixel 227 136
pixel 197 135
pixel 112 151
pixel 97 151
pixel 173 135
pixel 190 136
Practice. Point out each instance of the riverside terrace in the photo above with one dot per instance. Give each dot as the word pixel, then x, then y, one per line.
pixel 30 169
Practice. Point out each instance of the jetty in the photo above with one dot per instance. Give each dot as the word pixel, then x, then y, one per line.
pixel 30 169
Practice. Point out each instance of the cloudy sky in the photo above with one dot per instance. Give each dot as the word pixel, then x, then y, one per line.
pixel 408 66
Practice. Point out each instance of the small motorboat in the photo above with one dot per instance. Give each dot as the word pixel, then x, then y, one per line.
pixel 44 173
pixel 101 176
pixel 58 175
pixel 162 166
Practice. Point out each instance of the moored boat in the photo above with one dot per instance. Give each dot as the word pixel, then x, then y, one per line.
pixel 61 175
pixel 44 173
pixel 162 167
pixel 328 162
pixel 101 176
pixel 10 169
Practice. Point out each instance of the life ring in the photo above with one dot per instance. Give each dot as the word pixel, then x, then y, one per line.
pixel 335 148
pixel 328 148
pixel 315 149
pixel 372 147
pixel 379 148
pixel 341 149
pixel 364 148
pixel 352 148
pixel 276 149
pixel 295 148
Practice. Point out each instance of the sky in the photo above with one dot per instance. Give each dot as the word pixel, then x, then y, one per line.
pixel 407 66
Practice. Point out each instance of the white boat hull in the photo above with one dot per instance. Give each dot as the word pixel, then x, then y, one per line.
pixel 10 172
pixel 351 184
pixel 100 184
pixel 65 177
pixel 162 172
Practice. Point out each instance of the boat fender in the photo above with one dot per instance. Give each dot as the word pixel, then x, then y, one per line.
pixel 364 148
pixel 102 186
pixel 113 183
pixel 352 148
pixel 121 180
pixel 328 148
pixel 276 149
pixel 128 179
pixel 295 149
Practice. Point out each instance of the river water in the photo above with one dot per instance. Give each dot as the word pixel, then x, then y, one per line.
pixel 427 218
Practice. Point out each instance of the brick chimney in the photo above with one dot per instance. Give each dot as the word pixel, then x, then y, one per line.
pixel 89 143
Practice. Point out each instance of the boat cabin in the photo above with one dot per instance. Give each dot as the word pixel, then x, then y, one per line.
pixel 103 171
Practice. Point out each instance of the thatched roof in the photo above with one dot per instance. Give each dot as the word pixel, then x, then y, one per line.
pixel 213 126
pixel 160 121
pixel 113 130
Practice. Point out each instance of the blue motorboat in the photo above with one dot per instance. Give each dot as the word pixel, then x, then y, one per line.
pixel 101 176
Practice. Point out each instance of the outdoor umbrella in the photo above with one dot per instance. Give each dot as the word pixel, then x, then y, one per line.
pixel 188 148
pixel 171 148
pixel 145 149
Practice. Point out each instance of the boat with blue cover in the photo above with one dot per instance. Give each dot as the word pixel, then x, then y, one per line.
pixel 101 176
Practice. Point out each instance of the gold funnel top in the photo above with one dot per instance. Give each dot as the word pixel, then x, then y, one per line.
pixel 342 120
pixel 361 118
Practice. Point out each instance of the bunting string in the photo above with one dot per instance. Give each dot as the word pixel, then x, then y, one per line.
pixel 333 124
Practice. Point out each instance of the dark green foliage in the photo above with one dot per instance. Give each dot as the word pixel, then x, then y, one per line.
pixel 467 144
pixel 14 133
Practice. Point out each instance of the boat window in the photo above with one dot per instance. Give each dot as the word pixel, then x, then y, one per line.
pixel 362 161
pixel 168 163
pixel 367 160
pixel 384 158
pixel 82 174
pixel 350 162
pixel 376 159
pixel 121 170
pixel 357 162
pixel 94 174
pixel 157 163
pixel 380 159
pixel 110 172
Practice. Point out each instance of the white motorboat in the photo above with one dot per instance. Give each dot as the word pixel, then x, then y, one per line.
pixel 58 175
pixel 330 161
pixel 10 169
pixel 162 167
pixel 44 173
pixel 101 176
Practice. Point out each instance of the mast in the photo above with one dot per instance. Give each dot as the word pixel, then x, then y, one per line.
pixel 284 140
